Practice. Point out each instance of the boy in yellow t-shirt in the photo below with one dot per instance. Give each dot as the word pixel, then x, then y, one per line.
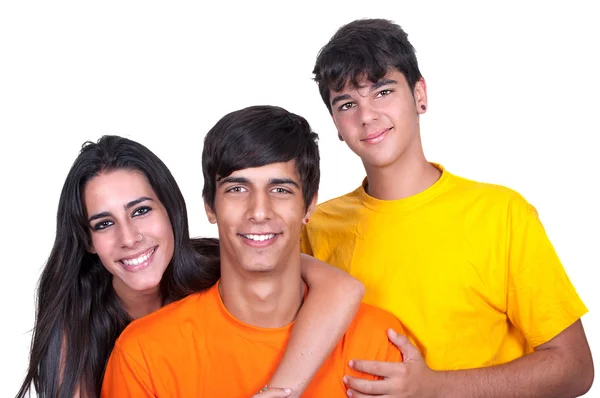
pixel 466 266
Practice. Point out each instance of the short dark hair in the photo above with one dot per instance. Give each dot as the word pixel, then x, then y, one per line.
pixel 257 136
pixel 364 48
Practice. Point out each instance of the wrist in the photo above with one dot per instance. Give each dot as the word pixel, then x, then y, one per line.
pixel 441 387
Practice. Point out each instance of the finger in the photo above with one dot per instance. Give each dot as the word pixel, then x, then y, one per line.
pixel 357 394
pixel 273 392
pixel 376 368
pixel 408 350
pixel 369 387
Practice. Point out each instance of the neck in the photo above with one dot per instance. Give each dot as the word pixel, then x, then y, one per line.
pixel 267 300
pixel 138 304
pixel 410 174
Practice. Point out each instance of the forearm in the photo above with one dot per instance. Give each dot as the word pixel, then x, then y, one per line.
pixel 543 373
pixel 330 306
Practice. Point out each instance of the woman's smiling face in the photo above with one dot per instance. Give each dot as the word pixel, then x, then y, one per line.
pixel 130 230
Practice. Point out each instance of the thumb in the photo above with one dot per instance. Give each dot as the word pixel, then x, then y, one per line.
pixel 408 350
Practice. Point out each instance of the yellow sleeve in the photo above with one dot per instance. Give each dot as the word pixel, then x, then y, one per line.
pixel 541 301
pixel 125 376
pixel 304 242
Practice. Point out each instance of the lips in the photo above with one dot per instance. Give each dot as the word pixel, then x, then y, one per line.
pixel 138 261
pixel 376 136
pixel 259 240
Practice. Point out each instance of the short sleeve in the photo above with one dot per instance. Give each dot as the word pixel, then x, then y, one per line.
pixel 541 300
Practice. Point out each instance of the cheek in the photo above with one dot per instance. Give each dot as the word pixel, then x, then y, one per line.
pixel 165 231
pixel 345 122
pixel 103 245
pixel 231 214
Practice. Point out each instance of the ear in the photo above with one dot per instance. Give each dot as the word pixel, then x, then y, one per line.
pixel 210 214
pixel 311 208
pixel 420 95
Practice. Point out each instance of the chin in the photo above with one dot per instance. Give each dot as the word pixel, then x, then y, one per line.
pixel 144 286
pixel 259 268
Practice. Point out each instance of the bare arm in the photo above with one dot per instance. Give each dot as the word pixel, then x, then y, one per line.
pixel 562 367
pixel 332 302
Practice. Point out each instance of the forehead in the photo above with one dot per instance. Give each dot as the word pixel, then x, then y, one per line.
pixel 115 188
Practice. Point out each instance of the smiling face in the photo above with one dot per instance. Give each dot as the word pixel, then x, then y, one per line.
pixel 259 212
pixel 380 121
pixel 130 230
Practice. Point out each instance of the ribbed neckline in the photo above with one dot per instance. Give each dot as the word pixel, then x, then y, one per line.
pixel 409 203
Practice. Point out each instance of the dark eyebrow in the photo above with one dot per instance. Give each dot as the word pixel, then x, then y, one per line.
pixel 126 207
pixel 99 215
pixel 272 181
pixel 283 181
pixel 236 180
pixel 339 98
pixel 374 86
pixel 136 201
pixel 381 83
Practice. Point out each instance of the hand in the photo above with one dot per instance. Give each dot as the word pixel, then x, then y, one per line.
pixel 273 392
pixel 409 378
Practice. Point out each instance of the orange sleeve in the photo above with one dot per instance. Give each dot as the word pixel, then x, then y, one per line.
pixel 370 340
pixel 125 376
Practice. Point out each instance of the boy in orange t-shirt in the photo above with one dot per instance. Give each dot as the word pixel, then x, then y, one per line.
pixel 261 177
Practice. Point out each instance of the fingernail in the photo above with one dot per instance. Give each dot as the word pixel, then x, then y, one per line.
pixel 345 380
pixel 349 393
pixel 351 364
pixel 288 390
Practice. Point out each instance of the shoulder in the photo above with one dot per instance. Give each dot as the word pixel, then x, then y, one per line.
pixel 158 327
pixel 372 317
pixel 336 212
pixel 366 338
pixel 492 196
pixel 494 190
pixel 340 203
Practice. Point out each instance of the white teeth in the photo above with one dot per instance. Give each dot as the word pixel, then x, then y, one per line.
pixel 139 260
pixel 259 238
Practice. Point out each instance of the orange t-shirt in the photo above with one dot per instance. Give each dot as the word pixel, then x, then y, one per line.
pixel 196 348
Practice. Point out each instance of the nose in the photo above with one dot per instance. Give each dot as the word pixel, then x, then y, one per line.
pixel 129 234
pixel 259 207
pixel 367 113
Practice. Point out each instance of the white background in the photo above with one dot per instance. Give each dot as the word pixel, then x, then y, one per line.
pixel 513 99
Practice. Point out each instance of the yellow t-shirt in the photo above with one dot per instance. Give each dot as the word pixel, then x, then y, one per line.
pixel 465 266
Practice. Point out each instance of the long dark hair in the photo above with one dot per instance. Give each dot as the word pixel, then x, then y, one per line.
pixel 79 315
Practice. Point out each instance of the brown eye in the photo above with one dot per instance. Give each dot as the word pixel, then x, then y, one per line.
pixel 235 189
pixel 346 106
pixel 281 190
pixel 141 211
pixel 102 225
